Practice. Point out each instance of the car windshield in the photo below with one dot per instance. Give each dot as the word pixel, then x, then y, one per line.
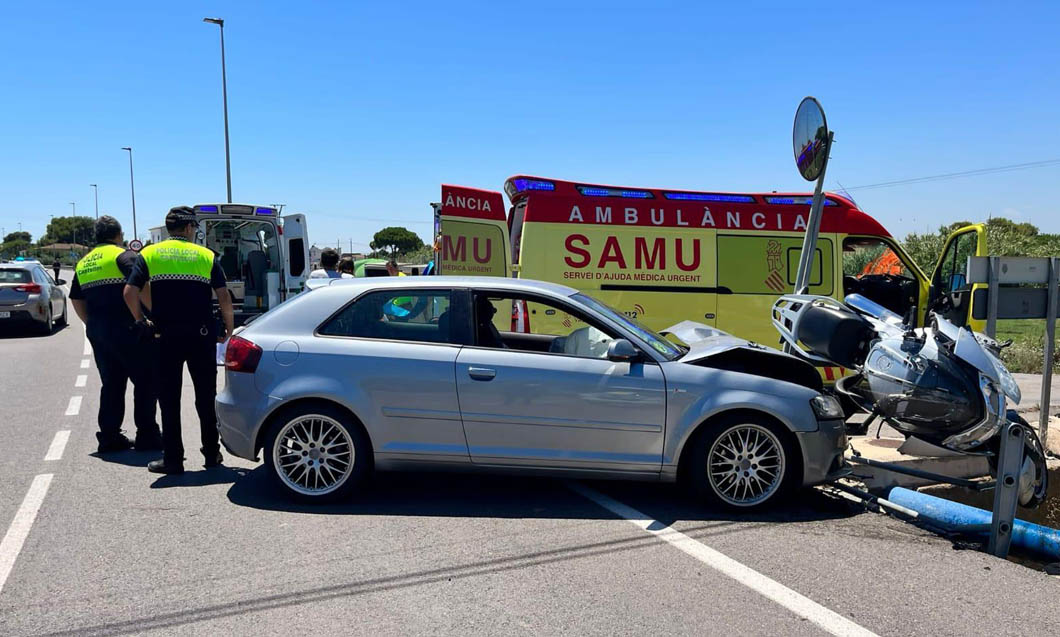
pixel 670 350
pixel 12 275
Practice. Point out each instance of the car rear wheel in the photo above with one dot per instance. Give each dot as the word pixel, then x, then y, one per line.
pixel 62 319
pixel 743 462
pixel 48 326
pixel 316 453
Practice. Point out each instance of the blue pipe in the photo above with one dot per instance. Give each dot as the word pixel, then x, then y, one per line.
pixel 955 516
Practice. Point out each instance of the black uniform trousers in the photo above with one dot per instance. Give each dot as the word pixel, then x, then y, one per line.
pixel 119 359
pixel 196 346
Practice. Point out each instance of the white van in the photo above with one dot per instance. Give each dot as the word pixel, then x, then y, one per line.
pixel 265 256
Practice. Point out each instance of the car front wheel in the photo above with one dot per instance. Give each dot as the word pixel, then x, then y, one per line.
pixel 743 462
pixel 317 453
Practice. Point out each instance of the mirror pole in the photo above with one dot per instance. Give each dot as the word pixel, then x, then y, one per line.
pixel 813 227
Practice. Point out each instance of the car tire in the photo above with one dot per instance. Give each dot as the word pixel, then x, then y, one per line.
pixel 62 322
pixel 723 474
pixel 48 327
pixel 316 452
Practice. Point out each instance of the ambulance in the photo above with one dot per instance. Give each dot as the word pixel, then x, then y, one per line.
pixel 264 255
pixel 719 258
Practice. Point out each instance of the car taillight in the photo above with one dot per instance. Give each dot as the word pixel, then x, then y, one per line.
pixel 28 288
pixel 241 355
pixel 520 317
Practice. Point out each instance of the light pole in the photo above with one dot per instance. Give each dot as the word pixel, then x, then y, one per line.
pixel 96 189
pixel 224 96
pixel 132 189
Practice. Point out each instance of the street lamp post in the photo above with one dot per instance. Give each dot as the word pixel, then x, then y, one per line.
pixel 96 189
pixel 73 206
pixel 132 189
pixel 224 96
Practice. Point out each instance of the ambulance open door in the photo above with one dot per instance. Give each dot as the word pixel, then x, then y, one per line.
pixel 296 254
pixel 471 233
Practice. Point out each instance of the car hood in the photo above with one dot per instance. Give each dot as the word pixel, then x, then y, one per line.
pixel 711 347
pixel 705 341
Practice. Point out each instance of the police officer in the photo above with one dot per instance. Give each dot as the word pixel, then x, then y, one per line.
pixel 181 277
pixel 96 292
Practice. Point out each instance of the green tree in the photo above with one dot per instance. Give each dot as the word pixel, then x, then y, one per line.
pixel 70 230
pixel 394 242
pixel 1004 238
pixel 18 235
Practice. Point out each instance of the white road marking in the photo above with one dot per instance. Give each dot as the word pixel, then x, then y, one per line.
pixel 74 407
pixel 88 348
pixel 802 606
pixel 84 363
pixel 81 380
pixel 11 545
pixel 55 451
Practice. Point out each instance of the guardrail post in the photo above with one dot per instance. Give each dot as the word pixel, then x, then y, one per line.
pixel 1050 330
pixel 1006 491
pixel 994 271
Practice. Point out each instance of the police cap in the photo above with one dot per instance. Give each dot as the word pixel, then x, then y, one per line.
pixel 181 216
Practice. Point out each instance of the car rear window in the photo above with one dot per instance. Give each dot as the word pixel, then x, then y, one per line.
pixel 396 315
pixel 11 275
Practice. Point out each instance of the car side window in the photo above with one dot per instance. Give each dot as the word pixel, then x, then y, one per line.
pixel 508 322
pixel 397 315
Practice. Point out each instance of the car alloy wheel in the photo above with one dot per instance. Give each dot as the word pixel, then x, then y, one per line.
pixel 313 455
pixel 746 465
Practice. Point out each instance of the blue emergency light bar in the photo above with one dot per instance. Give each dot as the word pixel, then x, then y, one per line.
pixel 532 184
pixel 206 208
pixel 596 191
pixel 702 196
pixel 797 201
pixel 265 211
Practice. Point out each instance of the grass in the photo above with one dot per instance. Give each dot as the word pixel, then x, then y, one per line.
pixel 1028 345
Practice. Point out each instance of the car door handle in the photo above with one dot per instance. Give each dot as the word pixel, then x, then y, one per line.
pixel 481 373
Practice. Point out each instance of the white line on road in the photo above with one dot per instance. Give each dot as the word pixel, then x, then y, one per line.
pixel 81 380
pixel 55 451
pixel 88 348
pixel 11 545
pixel 74 407
pixel 84 363
pixel 802 606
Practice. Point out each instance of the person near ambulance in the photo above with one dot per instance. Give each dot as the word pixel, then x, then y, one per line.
pixel 96 294
pixel 183 279
pixel 329 263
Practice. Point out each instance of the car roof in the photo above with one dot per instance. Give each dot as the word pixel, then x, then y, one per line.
pixel 22 265
pixel 474 282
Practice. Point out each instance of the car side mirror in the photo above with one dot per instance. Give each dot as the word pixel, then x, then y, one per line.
pixel 60 281
pixel 622 351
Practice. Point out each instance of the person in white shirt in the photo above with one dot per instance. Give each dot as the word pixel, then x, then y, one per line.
pixel 329 262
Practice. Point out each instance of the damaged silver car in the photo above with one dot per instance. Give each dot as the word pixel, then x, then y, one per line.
pixel 439 372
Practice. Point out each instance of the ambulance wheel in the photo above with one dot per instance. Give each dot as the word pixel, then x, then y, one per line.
pixel 742 461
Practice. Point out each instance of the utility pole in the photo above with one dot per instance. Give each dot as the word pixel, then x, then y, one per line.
pixel 224 96
pixel 132 190
pixel 96 189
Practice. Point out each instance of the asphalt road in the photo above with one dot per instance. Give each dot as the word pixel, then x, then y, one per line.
pixel 115 550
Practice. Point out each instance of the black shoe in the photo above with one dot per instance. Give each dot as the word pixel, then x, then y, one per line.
pixel 160 466
pixel 148 442
pixel 212 459
pixel 109 444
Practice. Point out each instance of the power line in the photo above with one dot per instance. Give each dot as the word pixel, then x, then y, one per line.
pixel 964 173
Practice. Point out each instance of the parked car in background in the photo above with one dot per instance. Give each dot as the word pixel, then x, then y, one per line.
pixel 30 296
pixel 397 373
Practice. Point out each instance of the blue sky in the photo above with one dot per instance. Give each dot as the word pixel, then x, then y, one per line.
pixel 354 114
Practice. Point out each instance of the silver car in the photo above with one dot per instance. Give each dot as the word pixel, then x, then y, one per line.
pixel 440 372
pixel 30 297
